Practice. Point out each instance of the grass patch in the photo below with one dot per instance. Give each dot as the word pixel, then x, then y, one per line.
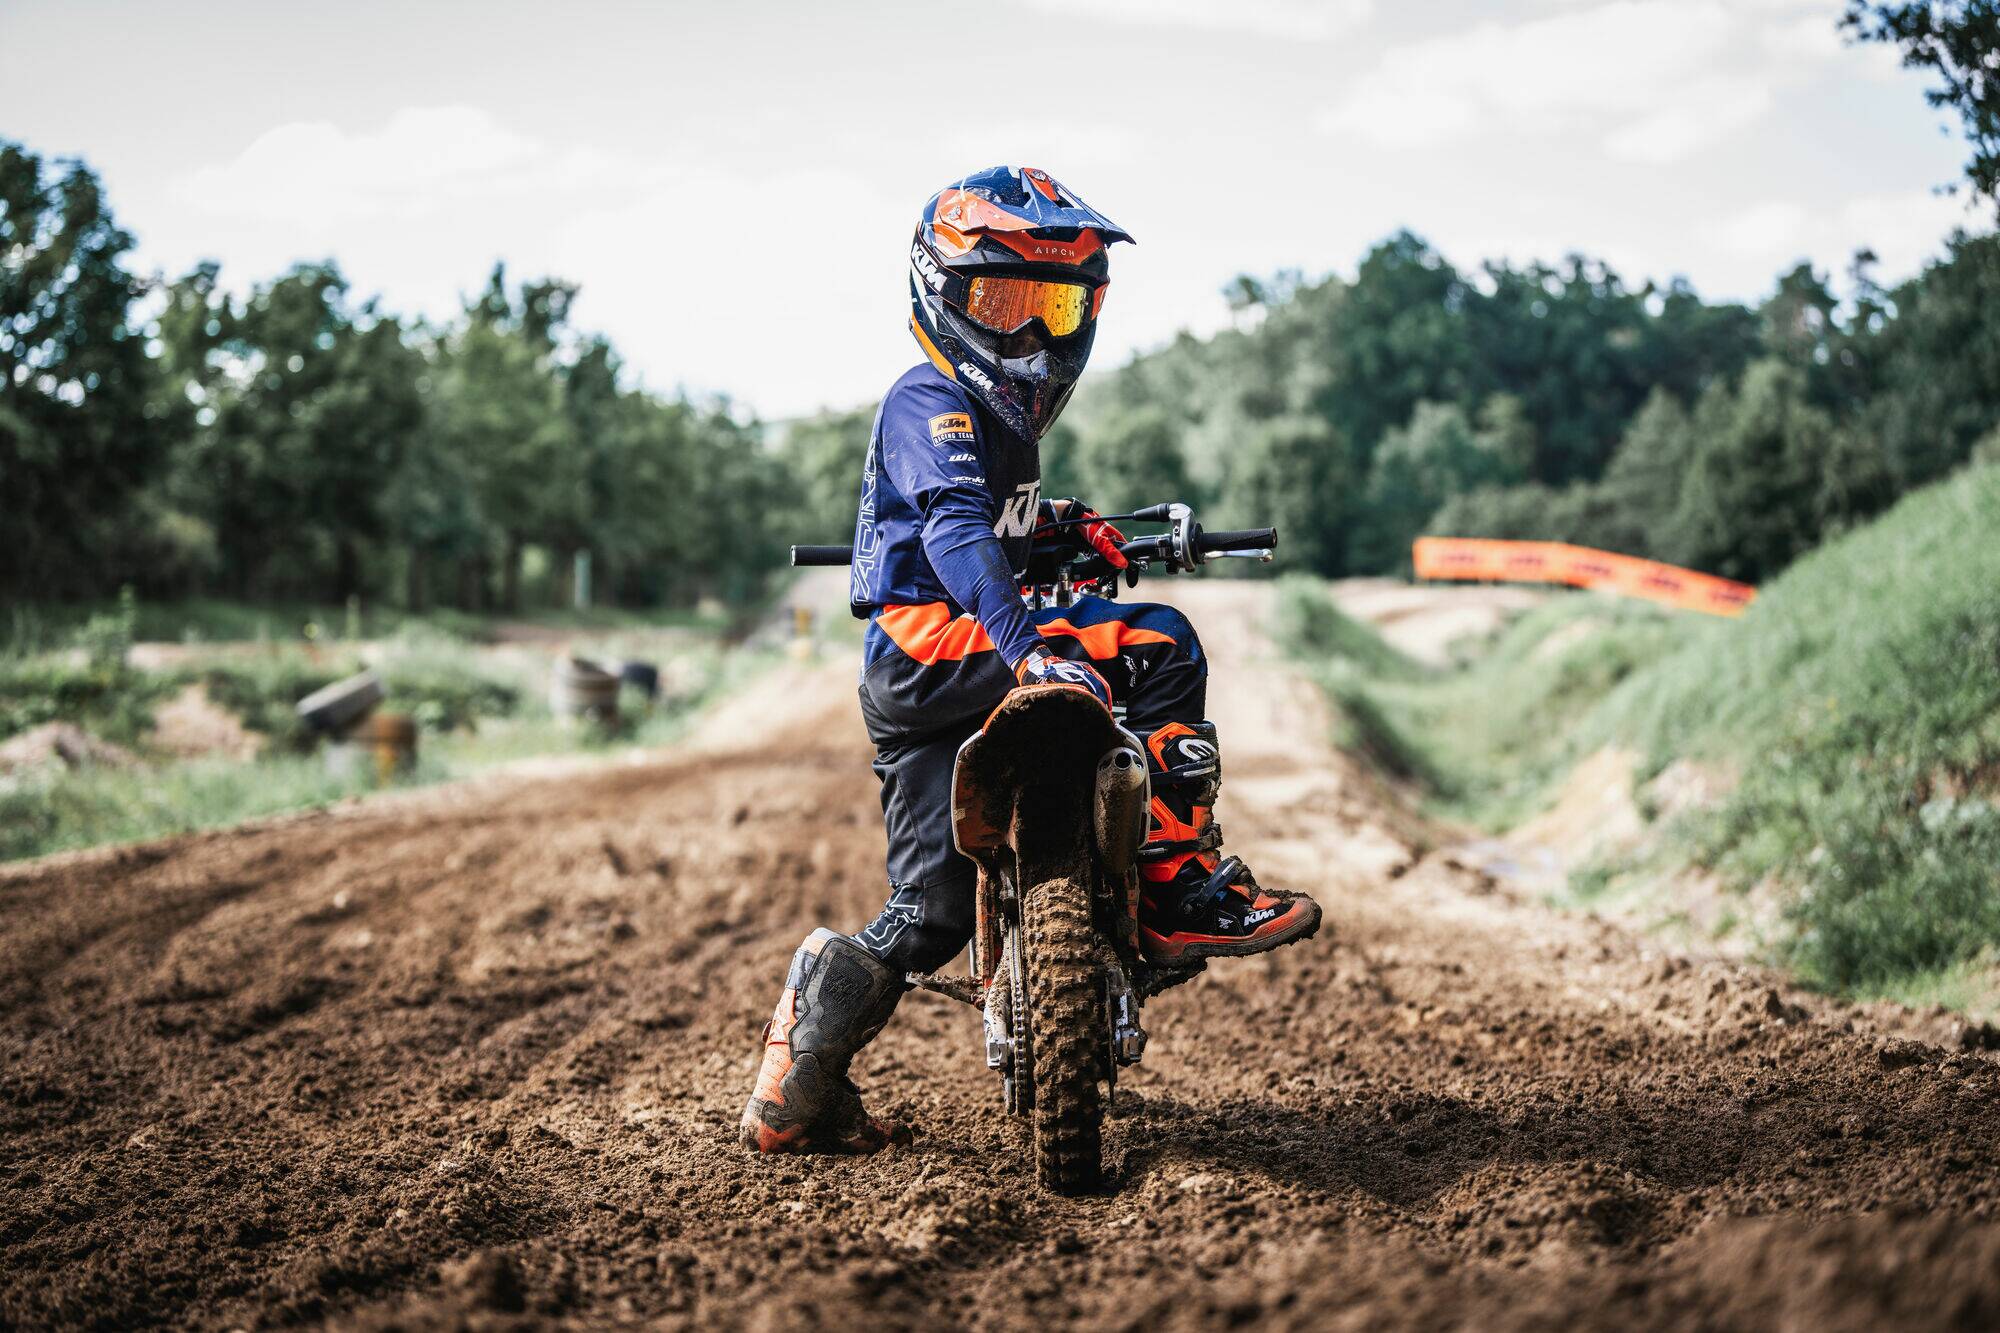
pixel 475 707
pixel 28 630
pixel 93 806
pixel 1487 739
pixel 91 686
pixel 62 810
pixel 1858 701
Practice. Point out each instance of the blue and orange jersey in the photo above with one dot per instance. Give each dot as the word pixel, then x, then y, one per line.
pixel 949 500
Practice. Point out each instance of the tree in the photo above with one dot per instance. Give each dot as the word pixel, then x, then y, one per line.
pixel 1399 341
pixel 822 456
pixel 1135 460
pixel 1296 474
pixel 78 438
pixel 1641 488
pixel 1935 368
pixel 1437 456
pixel 1958 41
pixel 1751 499
pixel 307 406
pixel 499 401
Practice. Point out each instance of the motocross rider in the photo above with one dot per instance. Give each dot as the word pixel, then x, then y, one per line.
pixel 1007 275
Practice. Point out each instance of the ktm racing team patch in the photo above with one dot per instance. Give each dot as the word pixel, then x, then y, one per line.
pixel 951 428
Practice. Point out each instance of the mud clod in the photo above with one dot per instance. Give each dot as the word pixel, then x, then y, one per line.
pixel 1906 1054
pixel 489 1280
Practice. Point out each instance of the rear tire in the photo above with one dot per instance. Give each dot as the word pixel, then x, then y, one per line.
pixel 1066 1028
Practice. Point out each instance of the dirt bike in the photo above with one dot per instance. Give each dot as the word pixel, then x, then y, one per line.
pixel 1051 798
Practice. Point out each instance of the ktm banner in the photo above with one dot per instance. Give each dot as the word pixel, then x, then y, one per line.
pixel 1579 567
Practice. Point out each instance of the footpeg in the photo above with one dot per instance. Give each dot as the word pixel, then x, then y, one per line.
pixel 1128 1039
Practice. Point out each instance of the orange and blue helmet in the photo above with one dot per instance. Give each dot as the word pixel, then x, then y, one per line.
pixel 1007 274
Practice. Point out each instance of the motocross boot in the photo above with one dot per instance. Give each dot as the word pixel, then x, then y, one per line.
pixel 837 996
pixel 1194 903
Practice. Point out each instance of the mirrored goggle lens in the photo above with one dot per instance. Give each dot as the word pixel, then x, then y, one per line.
pixel 1005 305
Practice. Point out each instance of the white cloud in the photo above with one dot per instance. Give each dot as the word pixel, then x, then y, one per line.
pixel 798 287
pixel 693 272
pixel 1705 112
pixel 1064 147
pixel 311 173
pixel 1652 80
pixel 1903 229
pixel 1310 20
pixel 1759 231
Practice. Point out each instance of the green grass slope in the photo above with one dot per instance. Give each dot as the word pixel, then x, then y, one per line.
pixel 1857 705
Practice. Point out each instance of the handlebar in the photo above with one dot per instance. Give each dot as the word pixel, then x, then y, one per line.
pixel 1207 543
pixel 1244 539
pixel 1181 548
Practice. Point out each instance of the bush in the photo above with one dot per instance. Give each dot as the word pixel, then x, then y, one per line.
pixel 1860 701
pixel 100 693
pixel 1312 627
pixel 264 691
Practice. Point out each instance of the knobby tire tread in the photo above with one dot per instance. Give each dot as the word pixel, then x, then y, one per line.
pixel 1065 1019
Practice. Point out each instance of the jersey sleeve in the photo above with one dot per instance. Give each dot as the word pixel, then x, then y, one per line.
pixel 930 451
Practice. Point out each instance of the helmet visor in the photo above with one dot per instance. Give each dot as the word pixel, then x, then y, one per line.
pixel 1006 305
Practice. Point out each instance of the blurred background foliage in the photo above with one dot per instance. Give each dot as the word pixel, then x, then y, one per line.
pixel 300 444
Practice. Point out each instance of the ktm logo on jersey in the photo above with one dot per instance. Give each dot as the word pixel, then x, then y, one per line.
pixel 952 428
pixel 1017 516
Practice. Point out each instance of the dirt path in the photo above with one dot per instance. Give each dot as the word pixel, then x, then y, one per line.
pixel 475 1056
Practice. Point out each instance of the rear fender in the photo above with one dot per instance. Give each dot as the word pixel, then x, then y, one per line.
pixel 1047 742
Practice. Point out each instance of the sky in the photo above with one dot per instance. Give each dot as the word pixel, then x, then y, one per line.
pixel 734 185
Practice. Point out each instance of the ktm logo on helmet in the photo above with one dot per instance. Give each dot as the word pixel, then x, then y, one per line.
pixel 926 267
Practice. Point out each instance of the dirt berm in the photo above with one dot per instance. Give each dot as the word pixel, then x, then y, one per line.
pixel 473 1057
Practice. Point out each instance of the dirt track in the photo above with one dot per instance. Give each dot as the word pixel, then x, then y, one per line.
pixel 474 1056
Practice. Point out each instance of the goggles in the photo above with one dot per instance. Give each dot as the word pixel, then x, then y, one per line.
pixel 1006 305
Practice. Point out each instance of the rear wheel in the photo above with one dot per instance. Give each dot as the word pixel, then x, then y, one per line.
pixel 1066 1028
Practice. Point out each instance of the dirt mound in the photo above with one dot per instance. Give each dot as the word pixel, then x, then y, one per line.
pixel 59 745
pixel 472 1057
pixel 191 725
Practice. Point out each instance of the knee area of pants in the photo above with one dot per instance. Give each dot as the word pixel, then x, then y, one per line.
pixel 1171 620
pixel 942 930
pixel 929 953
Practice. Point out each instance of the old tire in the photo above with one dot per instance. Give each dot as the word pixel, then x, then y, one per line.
pixel 342 704
pixel 641 676
pixel 583 688
pixel 1066 1027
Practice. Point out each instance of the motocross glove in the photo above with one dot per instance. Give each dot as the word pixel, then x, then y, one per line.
pixel 1092 534
pixel 1042 667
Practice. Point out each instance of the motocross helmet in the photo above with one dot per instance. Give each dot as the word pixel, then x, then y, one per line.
pixel 1007 274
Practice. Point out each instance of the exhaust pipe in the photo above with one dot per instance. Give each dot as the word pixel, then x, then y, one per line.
pixel 1119 811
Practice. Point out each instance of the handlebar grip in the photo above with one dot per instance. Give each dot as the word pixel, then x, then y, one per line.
pixel 1247 539
pixel 821 555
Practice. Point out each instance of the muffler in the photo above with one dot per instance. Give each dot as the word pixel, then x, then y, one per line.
pixel 1119 814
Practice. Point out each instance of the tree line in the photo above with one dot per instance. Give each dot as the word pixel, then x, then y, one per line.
pixel 299 443
pixel 296 443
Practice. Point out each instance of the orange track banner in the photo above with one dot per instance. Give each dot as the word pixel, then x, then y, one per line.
pixel 1579 567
